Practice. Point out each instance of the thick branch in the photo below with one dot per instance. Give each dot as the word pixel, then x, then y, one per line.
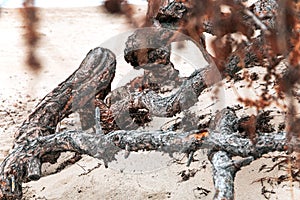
pixel 224 170
pixel 18 165
pixel 226 136
pixel 16 168
pixel 94 76
pixel 185 97
pixel 228 143
pixel 137 106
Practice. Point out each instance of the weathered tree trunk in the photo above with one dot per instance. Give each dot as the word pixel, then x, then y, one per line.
pixel 93 77
pixel 36 141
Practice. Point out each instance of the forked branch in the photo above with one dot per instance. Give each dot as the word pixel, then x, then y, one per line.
pixel 224 141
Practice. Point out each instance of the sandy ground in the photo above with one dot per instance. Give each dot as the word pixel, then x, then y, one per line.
pixel 66 37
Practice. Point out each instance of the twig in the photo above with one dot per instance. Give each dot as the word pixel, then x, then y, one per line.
pixel 90 170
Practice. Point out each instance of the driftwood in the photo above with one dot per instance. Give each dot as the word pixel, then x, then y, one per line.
pixel 24 162
pixel 84 91
pixel 142 105
pixel 93 77
pixel 223 142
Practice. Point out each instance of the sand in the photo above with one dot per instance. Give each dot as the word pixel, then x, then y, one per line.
pixel 66 36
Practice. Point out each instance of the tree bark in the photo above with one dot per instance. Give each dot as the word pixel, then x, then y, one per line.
pixel 36 141
pixel 224 170
pixel 223 142
pixel 153 8
pixel 93 77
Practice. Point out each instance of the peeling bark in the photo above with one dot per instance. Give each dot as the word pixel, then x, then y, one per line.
pixel 94 76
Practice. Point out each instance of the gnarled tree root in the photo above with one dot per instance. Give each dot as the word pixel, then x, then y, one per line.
pixel 223 142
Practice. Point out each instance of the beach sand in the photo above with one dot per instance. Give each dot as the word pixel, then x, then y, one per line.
pixel 67 34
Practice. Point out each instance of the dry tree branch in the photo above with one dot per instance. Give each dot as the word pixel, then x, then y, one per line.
pixel 36 139
pixel 94 76
pixel 24 160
